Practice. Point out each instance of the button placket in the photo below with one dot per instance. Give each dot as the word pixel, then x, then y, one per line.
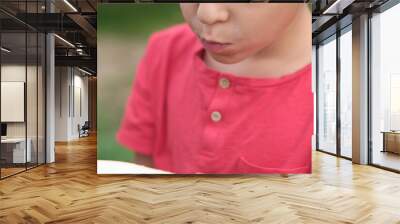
pixel 216 118
pixel 220 99
pixel 223 83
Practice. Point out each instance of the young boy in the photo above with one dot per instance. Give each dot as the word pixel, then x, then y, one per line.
pixel 227 92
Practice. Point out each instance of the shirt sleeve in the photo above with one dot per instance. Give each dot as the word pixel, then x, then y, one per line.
pixel 138 125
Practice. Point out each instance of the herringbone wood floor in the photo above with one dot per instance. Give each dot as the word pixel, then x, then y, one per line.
pixel 69 191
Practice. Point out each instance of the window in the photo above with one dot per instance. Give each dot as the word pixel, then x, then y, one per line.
pixel 346 74
pixel 327 95
pixel 385 88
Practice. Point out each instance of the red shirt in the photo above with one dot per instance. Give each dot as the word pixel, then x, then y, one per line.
pixel 193 119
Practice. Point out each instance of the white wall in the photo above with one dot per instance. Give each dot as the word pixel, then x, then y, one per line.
pixel 14 73
pixel 34 125
pixel 80 94
pixel 17 73
pixel 62 81
pixel 70 83
pixel 314 86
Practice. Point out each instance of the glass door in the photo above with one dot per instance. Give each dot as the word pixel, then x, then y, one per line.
pixel 22 77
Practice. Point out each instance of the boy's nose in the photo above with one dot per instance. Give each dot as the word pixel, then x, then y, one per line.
pixel 211 13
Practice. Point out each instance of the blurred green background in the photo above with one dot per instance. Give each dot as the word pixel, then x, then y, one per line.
pixel 122 33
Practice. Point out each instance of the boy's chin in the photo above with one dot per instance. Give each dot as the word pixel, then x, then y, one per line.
pixel 226 59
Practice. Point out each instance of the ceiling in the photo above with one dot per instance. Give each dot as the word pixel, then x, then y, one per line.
pixel 76 22
pixel 72 20
pixel 332 15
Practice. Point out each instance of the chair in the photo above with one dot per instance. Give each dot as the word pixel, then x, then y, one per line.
pixel 84 130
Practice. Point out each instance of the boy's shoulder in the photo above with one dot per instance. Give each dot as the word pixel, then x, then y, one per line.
pixel 176 39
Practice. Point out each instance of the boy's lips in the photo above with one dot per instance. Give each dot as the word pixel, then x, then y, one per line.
pixel 214 46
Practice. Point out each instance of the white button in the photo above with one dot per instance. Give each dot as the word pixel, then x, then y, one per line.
pixel 224 83
pixel 216 116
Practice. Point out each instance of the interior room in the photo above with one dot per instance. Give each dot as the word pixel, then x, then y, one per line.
pixel 51 89
pixel 333 57
pixel 46 86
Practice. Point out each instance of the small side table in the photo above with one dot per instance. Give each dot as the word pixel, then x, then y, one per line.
pixel 391 141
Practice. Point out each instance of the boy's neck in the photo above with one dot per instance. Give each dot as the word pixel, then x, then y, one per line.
pixel 286 55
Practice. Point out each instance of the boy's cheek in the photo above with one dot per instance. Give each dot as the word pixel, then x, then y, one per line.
pixel 188 11
pixel 192 24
